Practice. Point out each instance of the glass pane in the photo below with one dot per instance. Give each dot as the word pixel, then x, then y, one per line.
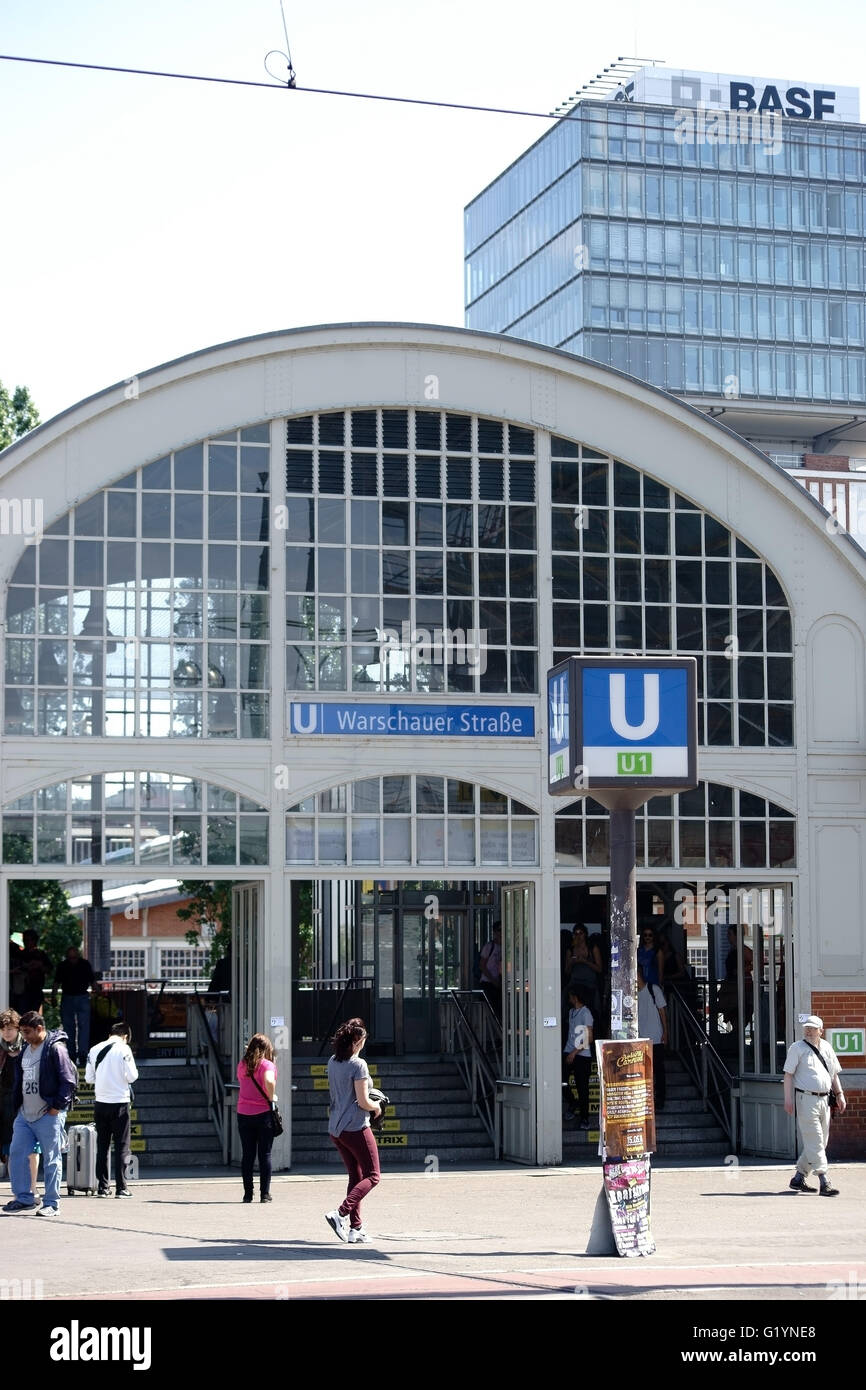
pixel 431 841
pixel 461 841
pixel 365 840
pixel 524 844
pixel 397 840
pixel 332 841
pixel 300 840
pixel 494 842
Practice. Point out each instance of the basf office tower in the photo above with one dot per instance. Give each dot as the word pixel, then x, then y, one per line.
pixel 285 620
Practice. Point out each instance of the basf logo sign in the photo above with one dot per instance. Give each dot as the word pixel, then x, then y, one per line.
pixel 765 96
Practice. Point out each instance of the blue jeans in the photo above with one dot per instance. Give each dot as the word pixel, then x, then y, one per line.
pixel 75 1008
pixel 48 1131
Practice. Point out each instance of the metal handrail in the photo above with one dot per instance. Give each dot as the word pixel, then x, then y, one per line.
pixel 200 1048
pixel 471 1053
pixel 353 982
pixel 718 1087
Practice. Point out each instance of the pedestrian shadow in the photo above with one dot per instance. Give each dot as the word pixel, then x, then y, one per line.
pixel 260 1251
pixel 772 1192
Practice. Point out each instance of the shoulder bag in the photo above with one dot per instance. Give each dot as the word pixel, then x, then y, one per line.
pixel 831 1098
pixel 276 1117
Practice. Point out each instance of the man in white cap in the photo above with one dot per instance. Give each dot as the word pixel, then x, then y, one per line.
pixel 812 1071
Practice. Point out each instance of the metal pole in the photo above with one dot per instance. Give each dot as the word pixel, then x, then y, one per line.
pixel 623 925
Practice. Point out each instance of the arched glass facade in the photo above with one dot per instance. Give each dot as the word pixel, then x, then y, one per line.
pixel 639 568
pixel 124 818
pixel 144 611
pixel 713 827
pixel 417 820
pixel 411 566
pixel 410 531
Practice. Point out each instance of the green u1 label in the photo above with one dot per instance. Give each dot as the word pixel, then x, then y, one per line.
pixel 634 764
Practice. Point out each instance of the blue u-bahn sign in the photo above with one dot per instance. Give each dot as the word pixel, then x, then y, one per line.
pixel 616 723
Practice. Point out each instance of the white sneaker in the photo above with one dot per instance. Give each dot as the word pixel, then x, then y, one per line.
pixel 358 1237
pixel 338 1224
pixel 47 1211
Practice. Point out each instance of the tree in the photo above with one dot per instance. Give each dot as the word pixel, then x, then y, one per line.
pixel 210 905
pixel 42 906
pixel 18 414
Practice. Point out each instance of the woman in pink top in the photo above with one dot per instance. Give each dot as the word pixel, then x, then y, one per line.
pixel 254 1113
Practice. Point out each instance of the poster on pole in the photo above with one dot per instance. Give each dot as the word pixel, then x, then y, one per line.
pixel 627 1187
pixel 627 1116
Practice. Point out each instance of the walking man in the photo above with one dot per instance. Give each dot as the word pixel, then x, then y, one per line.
pixel 45 1087
pixel 74 976
pixel 812 1071
pixel 111 1067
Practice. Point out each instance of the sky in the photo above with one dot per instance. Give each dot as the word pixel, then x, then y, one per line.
pixel 145 218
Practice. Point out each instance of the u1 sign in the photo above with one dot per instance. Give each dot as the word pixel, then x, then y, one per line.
pixel 622 723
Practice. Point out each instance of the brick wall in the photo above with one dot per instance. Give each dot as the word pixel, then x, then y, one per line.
pixel 162 921
pixel 826 463
pixel 840 1009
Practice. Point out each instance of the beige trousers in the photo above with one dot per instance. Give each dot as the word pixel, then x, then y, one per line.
pixel 813 1117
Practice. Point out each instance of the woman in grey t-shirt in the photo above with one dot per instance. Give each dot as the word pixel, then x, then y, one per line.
pixel 349 1127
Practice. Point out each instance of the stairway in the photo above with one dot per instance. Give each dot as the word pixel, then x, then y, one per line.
pixel 171 1125
pixel 429 1118
pixel 684 1129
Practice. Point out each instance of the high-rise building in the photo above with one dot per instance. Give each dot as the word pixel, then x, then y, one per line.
pixel 706 233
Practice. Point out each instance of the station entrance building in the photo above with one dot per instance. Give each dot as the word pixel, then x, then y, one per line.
pixel 286 622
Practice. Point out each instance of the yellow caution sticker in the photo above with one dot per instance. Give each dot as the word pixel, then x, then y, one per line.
pixel 318 1070
pixel 138 1145
pixel 391 1124
pixel 320 1083
pixel 86 1117
pixel 392 1141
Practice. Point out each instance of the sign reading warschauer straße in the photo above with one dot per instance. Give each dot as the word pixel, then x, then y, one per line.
pixel 411 720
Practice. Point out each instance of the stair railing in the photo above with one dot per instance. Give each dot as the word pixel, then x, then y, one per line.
pixel 718 1088
pixel 471 1033
pixel 201 1051
pixel 359 982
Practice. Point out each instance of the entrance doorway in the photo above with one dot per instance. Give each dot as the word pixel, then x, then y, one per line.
pixel 389 950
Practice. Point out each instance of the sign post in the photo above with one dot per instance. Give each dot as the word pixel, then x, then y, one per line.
pixel 622 730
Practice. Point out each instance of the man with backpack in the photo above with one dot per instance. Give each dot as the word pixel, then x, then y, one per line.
pixel 44 1090
pixel 111 1068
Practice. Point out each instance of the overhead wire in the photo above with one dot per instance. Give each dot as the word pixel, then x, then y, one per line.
pixel 288 86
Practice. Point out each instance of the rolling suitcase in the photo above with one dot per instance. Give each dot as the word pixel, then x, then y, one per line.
pixel 81 1160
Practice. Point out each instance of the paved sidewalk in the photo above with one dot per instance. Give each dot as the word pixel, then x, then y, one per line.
pixel 723 1233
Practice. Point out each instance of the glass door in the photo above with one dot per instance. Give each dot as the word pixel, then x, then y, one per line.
pixel 431 949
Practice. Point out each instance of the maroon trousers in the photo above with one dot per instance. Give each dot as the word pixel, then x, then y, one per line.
pixel 357 1148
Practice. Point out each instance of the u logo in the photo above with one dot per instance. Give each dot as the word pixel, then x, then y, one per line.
pixel 618 719
pixel 304 723
pixel 558 712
